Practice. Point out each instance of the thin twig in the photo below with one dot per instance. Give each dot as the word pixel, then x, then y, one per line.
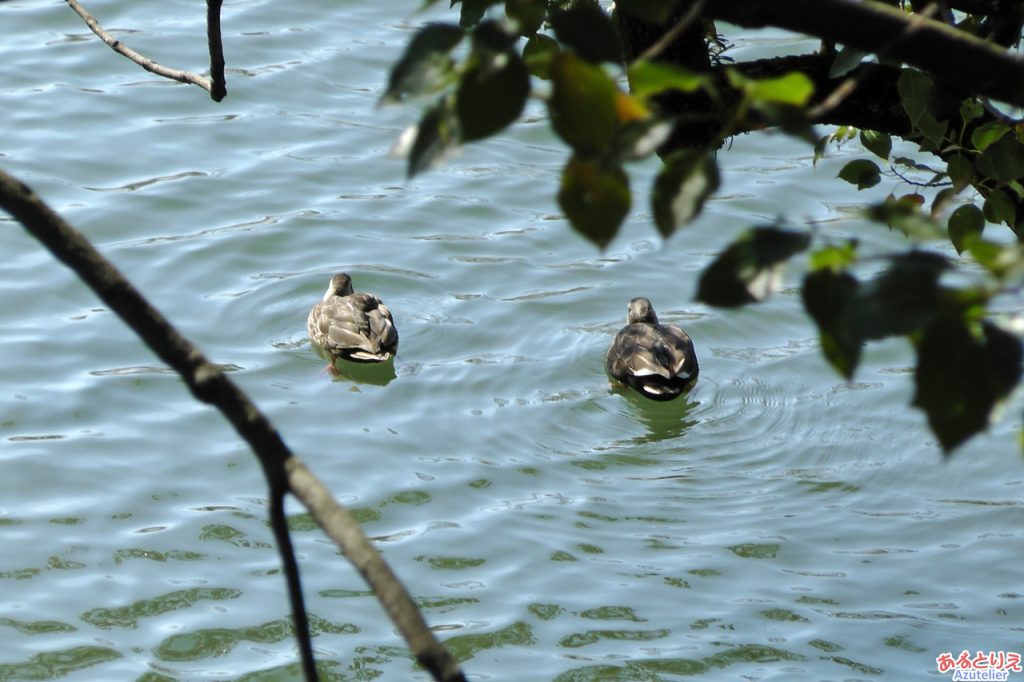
pixel 215 87
pixel 209 384
pixel 666 39
pixel 283 539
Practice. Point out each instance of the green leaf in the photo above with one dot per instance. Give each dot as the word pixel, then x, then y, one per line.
pixel 582 104
pixel 961 171
pixel 835 258
pixel 595 198
pixel 1003 160
pixel 587 29
pixel 681 188
pixel 538 53
pixel 830 298
pixel 879 144
pixel 966 222
pixel 903 298
pixel 819 148
pixel 640 138
pixel 794 88
pixel 861 172
pixel 528 15
pixel 649 78
pixel 435 137
pixel 750 268
pixel 425 66
pixel 915 89
pixel 847 59
pixel 971 109
pixel 988 133
pixel 844 134
pixel 1002 260
pixel 652 11
pixel 942 197
pixel 999 208
pixel 933 130
pixel 790 119
pixel 907 217
pixel 491 93
pixel 963 371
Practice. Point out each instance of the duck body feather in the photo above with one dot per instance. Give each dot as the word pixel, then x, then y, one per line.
pixel 354 326
pixel 656 360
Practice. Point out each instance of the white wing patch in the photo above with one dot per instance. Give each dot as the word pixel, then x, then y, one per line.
pixel 654 390
pixel 365 355
pixel 641 365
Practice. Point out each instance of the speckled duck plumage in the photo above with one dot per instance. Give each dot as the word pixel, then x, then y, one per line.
pixel 352 325
pixel 657 360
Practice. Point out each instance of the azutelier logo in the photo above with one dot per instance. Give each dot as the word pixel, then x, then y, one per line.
pixel 981 666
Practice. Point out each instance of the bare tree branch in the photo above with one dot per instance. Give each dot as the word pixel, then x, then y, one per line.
pixel 209 384
pixel 215 85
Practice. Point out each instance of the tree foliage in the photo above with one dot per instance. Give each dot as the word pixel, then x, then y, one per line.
pixel 654 78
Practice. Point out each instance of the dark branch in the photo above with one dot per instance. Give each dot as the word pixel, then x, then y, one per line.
pixel 218 89
pixel 974 65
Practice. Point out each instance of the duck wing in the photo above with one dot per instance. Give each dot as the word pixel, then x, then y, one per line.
pixel 636 352
pixel 675 351
pixel 382 333
pixel 356 327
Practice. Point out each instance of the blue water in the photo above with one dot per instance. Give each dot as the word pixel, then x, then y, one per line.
pixel 780 524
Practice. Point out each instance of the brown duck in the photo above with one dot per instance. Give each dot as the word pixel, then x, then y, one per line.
pixel 352 325
pixel 657 360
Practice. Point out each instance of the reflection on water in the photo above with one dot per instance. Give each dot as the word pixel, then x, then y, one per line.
pixel 371 373
pixel 664 420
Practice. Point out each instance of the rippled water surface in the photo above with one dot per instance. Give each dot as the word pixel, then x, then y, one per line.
pixel 782 524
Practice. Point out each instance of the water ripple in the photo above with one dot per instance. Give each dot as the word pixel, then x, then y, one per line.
pixel 139 184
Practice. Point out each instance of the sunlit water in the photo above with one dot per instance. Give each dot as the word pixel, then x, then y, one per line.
pixel 781 524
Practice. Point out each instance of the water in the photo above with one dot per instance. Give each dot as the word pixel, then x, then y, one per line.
pixel 781 524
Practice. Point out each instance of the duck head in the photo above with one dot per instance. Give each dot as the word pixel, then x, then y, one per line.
pixel 641 310
pixel 341 285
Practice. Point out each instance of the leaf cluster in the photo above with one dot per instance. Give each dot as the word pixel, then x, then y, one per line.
pixel 966 363
pixel 569 55
pixel 611 112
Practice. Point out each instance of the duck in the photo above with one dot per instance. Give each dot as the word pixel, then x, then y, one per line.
pixel 656 360
pixel 352 325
